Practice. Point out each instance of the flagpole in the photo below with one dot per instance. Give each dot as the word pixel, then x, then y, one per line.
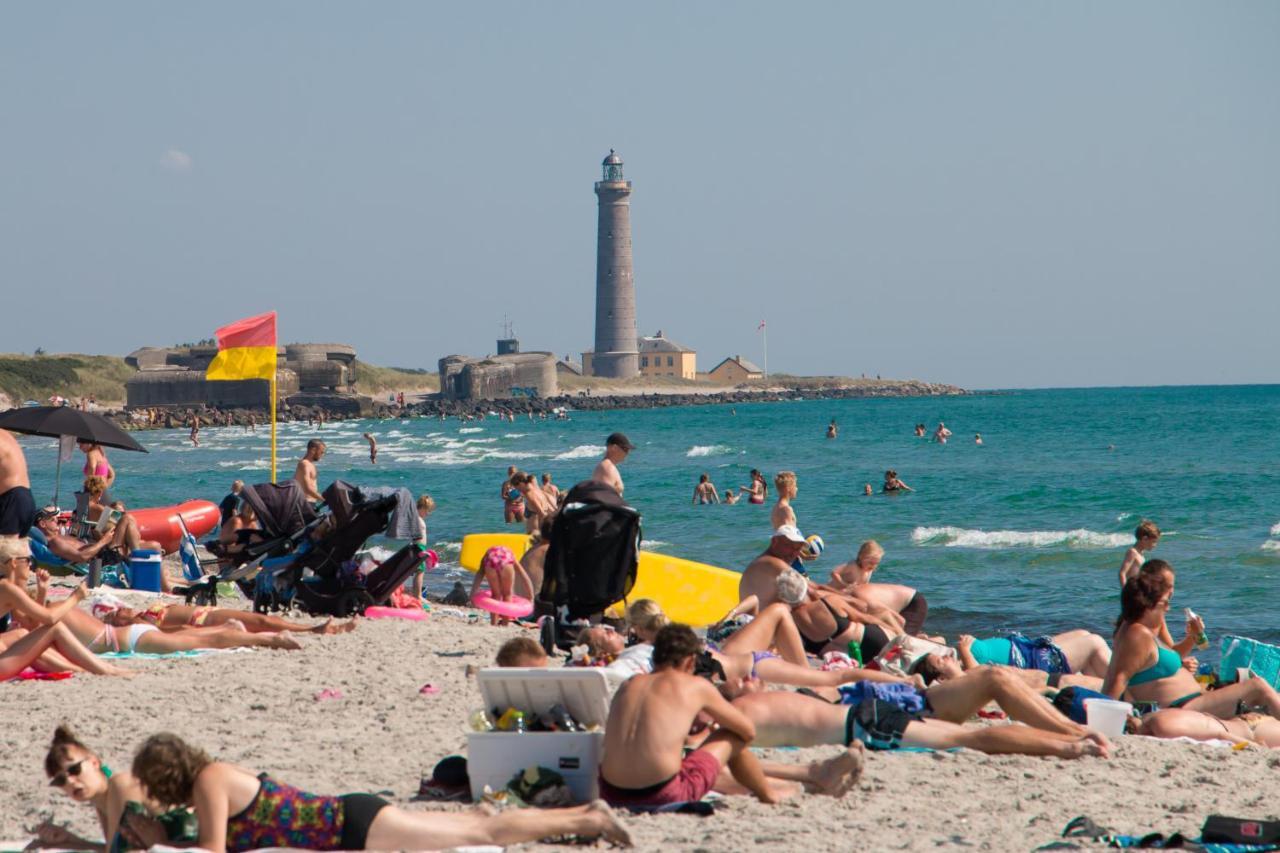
pixel 273 426
pixel 765 332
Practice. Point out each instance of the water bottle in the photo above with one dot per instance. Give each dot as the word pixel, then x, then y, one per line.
pixel 1202 641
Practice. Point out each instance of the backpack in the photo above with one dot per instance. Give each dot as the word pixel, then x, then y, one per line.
pixel 1070 701
pixel 592 561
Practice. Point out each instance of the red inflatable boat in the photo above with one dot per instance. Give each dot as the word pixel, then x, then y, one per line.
pixel 161 523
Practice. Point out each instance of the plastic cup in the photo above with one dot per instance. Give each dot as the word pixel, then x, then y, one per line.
pixel 1107 716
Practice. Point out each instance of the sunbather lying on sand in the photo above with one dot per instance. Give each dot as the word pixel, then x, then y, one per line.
pixel 651 715
pixel 41 640
pixel 789 719
pixel 171 617
pixel 996 651
pixel 102 638
pixel 240 810
pixel 1253 728
pixel 127 817
pixel 954 700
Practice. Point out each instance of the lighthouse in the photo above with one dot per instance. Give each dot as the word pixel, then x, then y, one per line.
pixel 616 352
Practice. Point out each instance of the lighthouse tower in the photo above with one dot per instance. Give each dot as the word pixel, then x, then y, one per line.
pixel 616 352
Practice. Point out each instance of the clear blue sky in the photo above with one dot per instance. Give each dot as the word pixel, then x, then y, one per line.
pixel 992 194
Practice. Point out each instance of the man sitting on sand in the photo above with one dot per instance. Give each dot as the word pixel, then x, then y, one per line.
pixel 305 472
pixel 644 762
pixel 616 448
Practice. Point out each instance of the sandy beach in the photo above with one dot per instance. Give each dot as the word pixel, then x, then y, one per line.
pixel 258 708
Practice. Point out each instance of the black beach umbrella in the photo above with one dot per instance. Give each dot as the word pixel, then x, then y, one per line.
pixel 59 421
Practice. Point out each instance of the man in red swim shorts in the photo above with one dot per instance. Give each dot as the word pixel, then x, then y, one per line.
pixel 651 717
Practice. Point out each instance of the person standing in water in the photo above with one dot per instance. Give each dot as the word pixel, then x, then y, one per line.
pixel 977 438
pixel 941 434
pixel 616 448
pixel 832 429
pixel 512 500
pixel 305 472
pixel 705 492
pixel 757 490
pixel 788 488
pixel 1146 537
pixel 373 448
pixel 195 430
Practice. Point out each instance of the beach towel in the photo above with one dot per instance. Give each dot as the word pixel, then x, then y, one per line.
pixel 30 674
pixel 903 696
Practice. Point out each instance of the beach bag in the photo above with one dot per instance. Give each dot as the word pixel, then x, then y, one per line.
pixel 904 650
pixel 1219 829
pixel 594 554
pixel 1070 701
pixel 1243 653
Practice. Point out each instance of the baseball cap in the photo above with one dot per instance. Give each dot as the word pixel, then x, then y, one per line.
pixel 47 512
pixel 11 547
pixel 789 532
pixel 621 441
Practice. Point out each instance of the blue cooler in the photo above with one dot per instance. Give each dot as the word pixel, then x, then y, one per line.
pixel 144 570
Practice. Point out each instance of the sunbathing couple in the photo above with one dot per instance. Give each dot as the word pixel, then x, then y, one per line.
pixel 177 795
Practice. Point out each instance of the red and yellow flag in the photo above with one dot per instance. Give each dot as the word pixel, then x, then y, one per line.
pixel 246 349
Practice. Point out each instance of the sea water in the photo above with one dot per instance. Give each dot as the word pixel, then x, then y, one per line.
pixel 1025 532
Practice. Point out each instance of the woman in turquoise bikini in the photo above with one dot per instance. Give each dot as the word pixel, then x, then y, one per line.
pixel 1146 671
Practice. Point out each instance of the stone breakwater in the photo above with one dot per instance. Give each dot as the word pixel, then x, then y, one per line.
pixel 436 406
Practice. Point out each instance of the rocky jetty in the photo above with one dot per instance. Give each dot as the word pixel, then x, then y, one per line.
pixel 436 406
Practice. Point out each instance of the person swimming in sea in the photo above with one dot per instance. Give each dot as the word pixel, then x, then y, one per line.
pixel 977 438
pixel 730 496
pixel 941 434
pixel 832 429
pixel 892 484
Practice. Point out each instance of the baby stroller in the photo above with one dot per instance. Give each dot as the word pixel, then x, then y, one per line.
pixel 285 518
pixel 320 576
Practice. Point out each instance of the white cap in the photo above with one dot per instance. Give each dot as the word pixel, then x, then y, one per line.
pixel 789 532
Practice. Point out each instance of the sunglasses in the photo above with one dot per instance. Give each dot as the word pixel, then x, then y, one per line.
pixel 70 770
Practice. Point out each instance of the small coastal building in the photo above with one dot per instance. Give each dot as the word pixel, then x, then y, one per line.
pixel 735 369
pixel 660 356
pixel 568 367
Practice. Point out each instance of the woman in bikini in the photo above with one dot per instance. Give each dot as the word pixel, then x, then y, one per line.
pixel 175 617
pixel 1148 671
pixel 238 809
pixel 95 462
pixel 129 820
pixel 102 638
pixel 42 641
pixel 830 622
pixel 757 491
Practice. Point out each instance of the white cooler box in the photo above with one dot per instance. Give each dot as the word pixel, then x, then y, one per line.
pixel 494 757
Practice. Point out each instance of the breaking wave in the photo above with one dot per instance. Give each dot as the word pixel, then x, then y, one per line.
pixel 708 450
pixel 959 537
pixel 582 451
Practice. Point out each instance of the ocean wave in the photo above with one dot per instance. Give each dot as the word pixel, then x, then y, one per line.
pixel 515 434
pixel 466 430
pixel 582 451
pixel 1271 545
pixel 651 544
pixel 1275 529
pixel 708 450
pixel 959 537
pixel 450 547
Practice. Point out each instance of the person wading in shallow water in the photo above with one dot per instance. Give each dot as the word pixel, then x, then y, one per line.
pixel 616 448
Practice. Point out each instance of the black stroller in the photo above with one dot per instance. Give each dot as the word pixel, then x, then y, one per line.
pixel 299 557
